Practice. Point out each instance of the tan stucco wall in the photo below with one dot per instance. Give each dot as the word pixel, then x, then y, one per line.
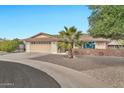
pixel 27 46
pixel 54 47
pixel 100 45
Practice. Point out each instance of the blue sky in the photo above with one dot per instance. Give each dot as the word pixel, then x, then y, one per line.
pixel 25 21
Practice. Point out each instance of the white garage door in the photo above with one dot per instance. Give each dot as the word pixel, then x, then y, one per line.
pixel 43 48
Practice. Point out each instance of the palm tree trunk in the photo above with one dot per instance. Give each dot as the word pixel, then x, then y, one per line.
pixel 70 53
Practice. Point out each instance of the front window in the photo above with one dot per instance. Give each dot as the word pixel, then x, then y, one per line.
pixel 41 42
pixel 90 45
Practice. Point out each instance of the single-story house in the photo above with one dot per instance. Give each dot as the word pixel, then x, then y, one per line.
pixel 46 43
pixel 41 42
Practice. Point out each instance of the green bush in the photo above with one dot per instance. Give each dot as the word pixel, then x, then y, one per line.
pixel 9 45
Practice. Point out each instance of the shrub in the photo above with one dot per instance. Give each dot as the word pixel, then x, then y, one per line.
pixel 9 45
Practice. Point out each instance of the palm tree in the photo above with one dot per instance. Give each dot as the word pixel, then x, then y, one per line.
pixel 70 38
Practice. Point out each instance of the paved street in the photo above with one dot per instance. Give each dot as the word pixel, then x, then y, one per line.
pixel 18 76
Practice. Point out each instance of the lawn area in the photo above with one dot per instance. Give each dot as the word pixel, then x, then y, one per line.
pixel 110 70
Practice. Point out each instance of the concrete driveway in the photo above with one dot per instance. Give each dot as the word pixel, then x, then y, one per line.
pixel 66 77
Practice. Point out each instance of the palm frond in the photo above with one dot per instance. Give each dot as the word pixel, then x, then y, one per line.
pixel 70 36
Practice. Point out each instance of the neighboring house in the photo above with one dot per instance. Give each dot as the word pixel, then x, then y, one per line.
pixel 114 44
pixel 41 42
pixel 46 43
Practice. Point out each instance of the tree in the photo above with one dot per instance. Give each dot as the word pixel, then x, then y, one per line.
pixel 107 21
pixel 70 38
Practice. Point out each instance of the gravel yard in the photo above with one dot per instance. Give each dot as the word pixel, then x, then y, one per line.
pixel 110 70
